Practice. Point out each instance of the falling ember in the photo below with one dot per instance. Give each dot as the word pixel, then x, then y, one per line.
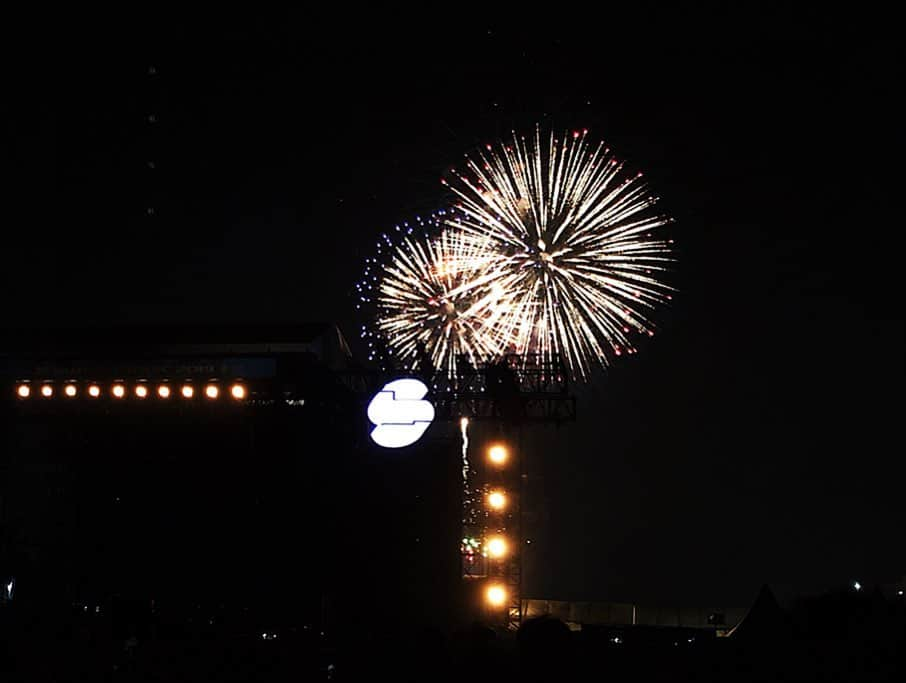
pixel 464 430
pixel 468 503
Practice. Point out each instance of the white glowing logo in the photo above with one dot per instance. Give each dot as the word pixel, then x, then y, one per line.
pixel 400 413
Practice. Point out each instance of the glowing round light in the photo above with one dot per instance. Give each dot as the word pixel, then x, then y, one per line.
pixel 46 391
pixel 141 391
pixel 498 454
pixel 70 390
pixel 399 412
pixel 163 391
pixel 188 391
pixel 211 391
pixel 496 595
pixel 94 391
pixel 496 500
pixel 24 391
pixel 118 391
pixel 237 391
pixel 497 547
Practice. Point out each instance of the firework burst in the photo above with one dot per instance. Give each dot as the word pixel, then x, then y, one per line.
pixel 436 299
pixel 570 237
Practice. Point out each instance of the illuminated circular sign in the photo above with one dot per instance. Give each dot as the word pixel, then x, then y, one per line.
pixel 400 413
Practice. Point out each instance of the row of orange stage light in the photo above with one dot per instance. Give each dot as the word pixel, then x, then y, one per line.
pixel 120 390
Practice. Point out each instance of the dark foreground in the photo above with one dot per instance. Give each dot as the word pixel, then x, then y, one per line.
pixel 834 638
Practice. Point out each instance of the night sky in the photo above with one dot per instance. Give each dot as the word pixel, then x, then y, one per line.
pixel 756 437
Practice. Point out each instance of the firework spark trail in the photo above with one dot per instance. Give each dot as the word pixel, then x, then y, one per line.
pixel 468 512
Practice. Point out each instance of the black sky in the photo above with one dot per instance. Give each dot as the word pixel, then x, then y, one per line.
pixel 756 438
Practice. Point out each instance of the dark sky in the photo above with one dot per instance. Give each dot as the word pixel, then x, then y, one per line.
pixel 755 439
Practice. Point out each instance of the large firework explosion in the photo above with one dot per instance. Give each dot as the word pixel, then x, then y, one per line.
pixel 552 249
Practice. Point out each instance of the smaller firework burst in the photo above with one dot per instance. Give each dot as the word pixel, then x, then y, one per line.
pixel 435 303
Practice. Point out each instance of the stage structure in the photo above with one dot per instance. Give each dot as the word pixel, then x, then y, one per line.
pixel 199 373
pixel 496 402
pixel 492 402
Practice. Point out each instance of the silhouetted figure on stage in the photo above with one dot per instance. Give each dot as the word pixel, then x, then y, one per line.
pixel 424 365
pixel 502 385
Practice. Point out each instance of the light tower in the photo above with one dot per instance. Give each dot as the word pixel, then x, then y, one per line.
pixel 492 540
